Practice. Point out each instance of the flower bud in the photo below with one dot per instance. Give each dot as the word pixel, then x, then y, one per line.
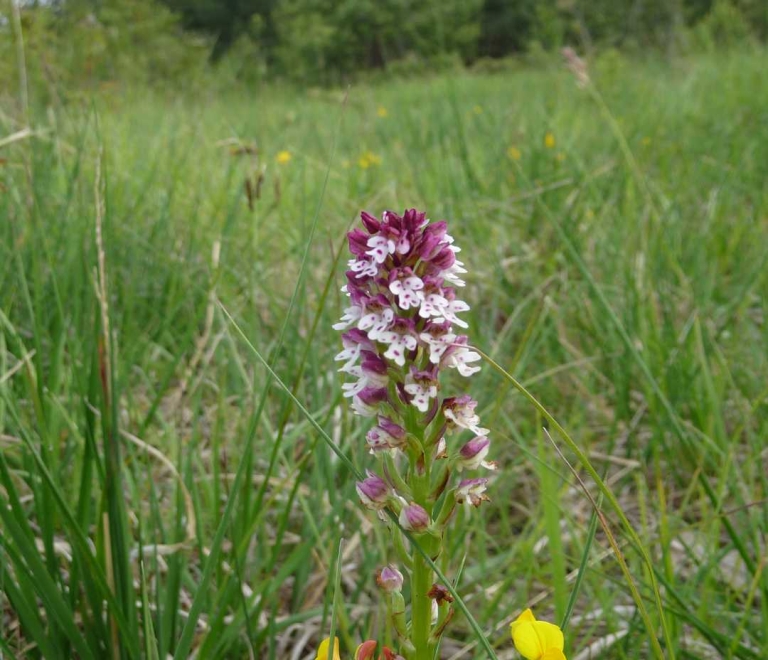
pixel 389 578
pixel 366 650
pixel 358 242
pixel 414 518
pixel 472 454
pixel 374 492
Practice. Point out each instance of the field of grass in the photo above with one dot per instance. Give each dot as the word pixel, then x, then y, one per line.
pixel 617 248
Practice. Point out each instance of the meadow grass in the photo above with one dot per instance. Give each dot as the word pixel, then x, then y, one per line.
pixel 617 244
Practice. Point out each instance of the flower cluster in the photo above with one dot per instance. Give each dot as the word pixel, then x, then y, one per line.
pixel 399 332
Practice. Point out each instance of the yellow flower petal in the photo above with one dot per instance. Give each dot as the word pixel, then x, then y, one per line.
pixel 550 635
pixel 514 153
pixel 322 650
pixel 382 111
pixel 525 617
pixel 553 654
pixel 537 640
pixel 549 141
pixel 283 157
pixel 526 641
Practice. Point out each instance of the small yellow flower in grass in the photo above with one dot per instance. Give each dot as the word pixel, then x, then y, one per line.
pixel 478 109
pixel 382 111
pixel 549 140
pixel 368 159
pixel 646 141
pixel 283 157
pixel 514 153
pixel 322 650
pixel 537 640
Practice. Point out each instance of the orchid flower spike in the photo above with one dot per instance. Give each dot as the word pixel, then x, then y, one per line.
pixel 537 640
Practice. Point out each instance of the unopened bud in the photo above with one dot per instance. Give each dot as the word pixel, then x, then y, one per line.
pixel 389 578
pixel 373 491
pixel 414 518
pixel 472 454
pixel 366 650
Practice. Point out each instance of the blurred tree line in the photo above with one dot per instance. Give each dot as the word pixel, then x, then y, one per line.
pixel 328 41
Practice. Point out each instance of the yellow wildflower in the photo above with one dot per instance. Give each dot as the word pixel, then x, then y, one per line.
pixel 478 110
pixel 537 640
pixel 283 157
pixel 368 159
pixel 365 651
pixel 549 140
pixel 514 153
pixel 382 111
pixel 322 650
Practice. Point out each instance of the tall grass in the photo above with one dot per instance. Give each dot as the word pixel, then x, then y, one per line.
pixel 162 494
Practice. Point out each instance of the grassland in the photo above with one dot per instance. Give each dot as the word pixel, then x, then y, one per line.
pixel 617 244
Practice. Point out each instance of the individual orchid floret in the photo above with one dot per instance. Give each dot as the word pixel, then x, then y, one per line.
pixel 351 315
pixel 386 436
pixel 389 579
pixel 414 518
pixel 458 356
pixel 401 339
pixel 451 307
pixel 460 413
pixel 472 491
pixel 367 401
pixel 537 640
pixel 374 369
pixel 422 387
pixel 472 454
pixel 381 248
pixel 407 287
pixel 377 318
pixel 374 492
pixel 439 338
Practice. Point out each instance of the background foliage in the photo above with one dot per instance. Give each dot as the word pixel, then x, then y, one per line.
pixel 95 42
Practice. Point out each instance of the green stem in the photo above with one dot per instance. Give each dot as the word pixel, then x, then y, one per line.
pixel 421 608
pixel 422 576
